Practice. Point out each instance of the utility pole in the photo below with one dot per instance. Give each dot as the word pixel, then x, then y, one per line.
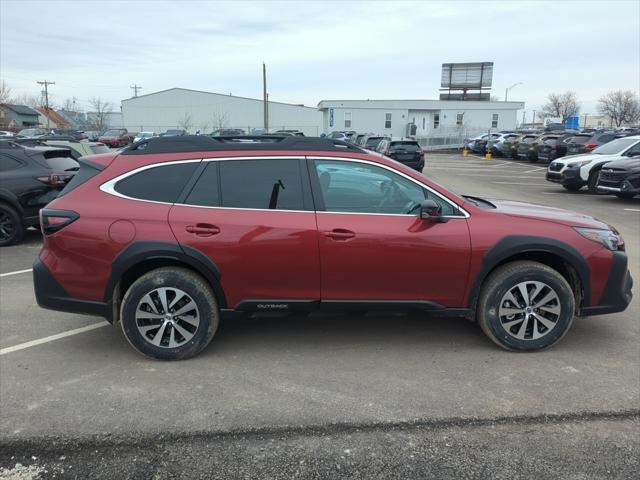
pixel 533 122
pixel 265 98
pixel 46 97
pixel 523 117
pixel 135 87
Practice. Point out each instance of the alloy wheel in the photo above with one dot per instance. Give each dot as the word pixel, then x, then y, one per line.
pixel 167 317
pixel 7 227
pixel 529 310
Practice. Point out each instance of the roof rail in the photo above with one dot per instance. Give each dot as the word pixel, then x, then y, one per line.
pixel 202 143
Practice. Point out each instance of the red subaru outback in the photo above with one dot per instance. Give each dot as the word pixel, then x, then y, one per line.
pixel 169 235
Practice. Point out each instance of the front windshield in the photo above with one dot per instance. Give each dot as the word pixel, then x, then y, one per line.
pixel 616 146
pixel 113 133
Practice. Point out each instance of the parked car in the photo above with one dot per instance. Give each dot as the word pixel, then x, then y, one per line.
pixel 576 171
pixel 29 179
pixel 77 148
pixel 68 132
pixel 174 132
pixel 228 132
pixel 552 147
pixel 6 134
pixel 115 137
pixel 522 144
pixel 32 133
pixel 371 142
pixel 313 224
pixel 357 138
pixel 142 136
pixel 479 144
pixel 621 177
pixel 294 132
pixel 503 145
pixel 584 143
pixel 338 135
pixel 407 152
pixel 92 135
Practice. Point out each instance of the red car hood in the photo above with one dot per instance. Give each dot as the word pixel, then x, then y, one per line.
pixel 542 212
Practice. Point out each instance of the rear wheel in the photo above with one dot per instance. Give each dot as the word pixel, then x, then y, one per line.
pixel 525 306
pixel 11 228
pixel 169 313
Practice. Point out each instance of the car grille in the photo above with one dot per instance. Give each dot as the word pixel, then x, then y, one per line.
pixel 612 174
pixel 555 167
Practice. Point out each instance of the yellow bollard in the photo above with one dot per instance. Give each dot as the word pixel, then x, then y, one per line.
pixel 487 155
pixel 465 152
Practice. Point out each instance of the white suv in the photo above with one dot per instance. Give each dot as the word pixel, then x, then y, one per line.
pixel 576 171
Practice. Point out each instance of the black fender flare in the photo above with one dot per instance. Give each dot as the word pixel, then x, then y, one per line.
pixel 518 244
pixel 9 198
pixel 141 251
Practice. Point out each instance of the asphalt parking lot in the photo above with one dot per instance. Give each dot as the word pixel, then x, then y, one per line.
pixel 327 396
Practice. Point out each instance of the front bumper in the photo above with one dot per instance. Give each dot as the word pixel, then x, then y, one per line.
pixel 51 295
pixel 617 293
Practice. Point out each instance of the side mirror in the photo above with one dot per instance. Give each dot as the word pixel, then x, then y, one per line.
pixel 432 211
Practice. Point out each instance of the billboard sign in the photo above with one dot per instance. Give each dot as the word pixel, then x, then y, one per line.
pixel 462 76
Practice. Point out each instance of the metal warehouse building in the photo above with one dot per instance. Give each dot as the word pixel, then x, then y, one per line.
pixel 420 118
pixel 206 111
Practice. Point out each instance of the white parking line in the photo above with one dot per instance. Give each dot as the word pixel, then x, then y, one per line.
pixel 51 338
pixel 536 169
pixel 631 209
pixel 16 272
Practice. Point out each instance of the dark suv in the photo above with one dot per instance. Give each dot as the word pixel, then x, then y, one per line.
pixel 168 235
pixel 29 179
pixel 408 152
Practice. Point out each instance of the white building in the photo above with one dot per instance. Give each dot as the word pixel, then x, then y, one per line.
pixel 429 118
pixel 205 111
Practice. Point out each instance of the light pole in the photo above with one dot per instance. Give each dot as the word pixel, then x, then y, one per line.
pixel 506 91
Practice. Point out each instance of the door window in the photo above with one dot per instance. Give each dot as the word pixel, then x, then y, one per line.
pixel 206 191
pixel 262 184
pixel 362 188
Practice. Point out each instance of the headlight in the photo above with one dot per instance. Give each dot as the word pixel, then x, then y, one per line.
pixel 579 164
pixel 610 239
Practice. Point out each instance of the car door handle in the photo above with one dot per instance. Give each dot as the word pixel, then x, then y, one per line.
pixel 340 234
pixel 202 229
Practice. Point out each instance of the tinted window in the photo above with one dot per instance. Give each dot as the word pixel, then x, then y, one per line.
pixel 579 139
pixel 265 184
pixel 8 163
pixel 405 146
pixel 160 184
pixel 362 188
pixel 615 146
pixel 206 191
pixel 606 138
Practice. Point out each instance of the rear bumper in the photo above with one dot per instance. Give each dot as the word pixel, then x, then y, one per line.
pixel 617 293
pixel 51 295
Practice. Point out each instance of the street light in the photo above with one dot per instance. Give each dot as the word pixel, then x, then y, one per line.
pixel 506 92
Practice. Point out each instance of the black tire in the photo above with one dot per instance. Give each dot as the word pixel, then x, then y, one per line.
pixel 533 158
pixel 189 283
pixel 504 280
pixel 573 188
pixel 592 183
pixel 11 227
pixel 625 195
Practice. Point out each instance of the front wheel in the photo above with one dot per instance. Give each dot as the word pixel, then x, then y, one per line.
pixel 525 306
pixel 169 313
pixel 592 183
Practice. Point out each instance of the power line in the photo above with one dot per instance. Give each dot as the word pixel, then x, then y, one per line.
pixel 135 87
pixel 46 97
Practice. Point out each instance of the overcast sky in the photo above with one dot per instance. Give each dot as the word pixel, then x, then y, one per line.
pixel 318 50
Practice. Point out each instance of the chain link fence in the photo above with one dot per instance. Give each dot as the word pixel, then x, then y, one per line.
pixel 446 138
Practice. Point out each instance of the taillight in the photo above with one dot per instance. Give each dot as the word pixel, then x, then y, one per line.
pixel 52 220
pixel 420 153
pixel 590 146
pixel 55 179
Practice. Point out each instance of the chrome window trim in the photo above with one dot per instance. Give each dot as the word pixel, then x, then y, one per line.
pixel 465 214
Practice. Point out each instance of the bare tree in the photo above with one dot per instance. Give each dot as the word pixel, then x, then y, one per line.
pixel 185 122
pixel 563 105
pixel 29 100
pixel 621 106
pixel 5 92
pixel 100 113
pixel 70 105
pixel 220 118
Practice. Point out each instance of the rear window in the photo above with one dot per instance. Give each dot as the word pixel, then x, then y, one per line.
pixel 99 149
pixel 551 141
pixel 373 142
pixel 58 163
pixel 528 139
pixel 159 184
pixel 405 146
pixel 579 139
